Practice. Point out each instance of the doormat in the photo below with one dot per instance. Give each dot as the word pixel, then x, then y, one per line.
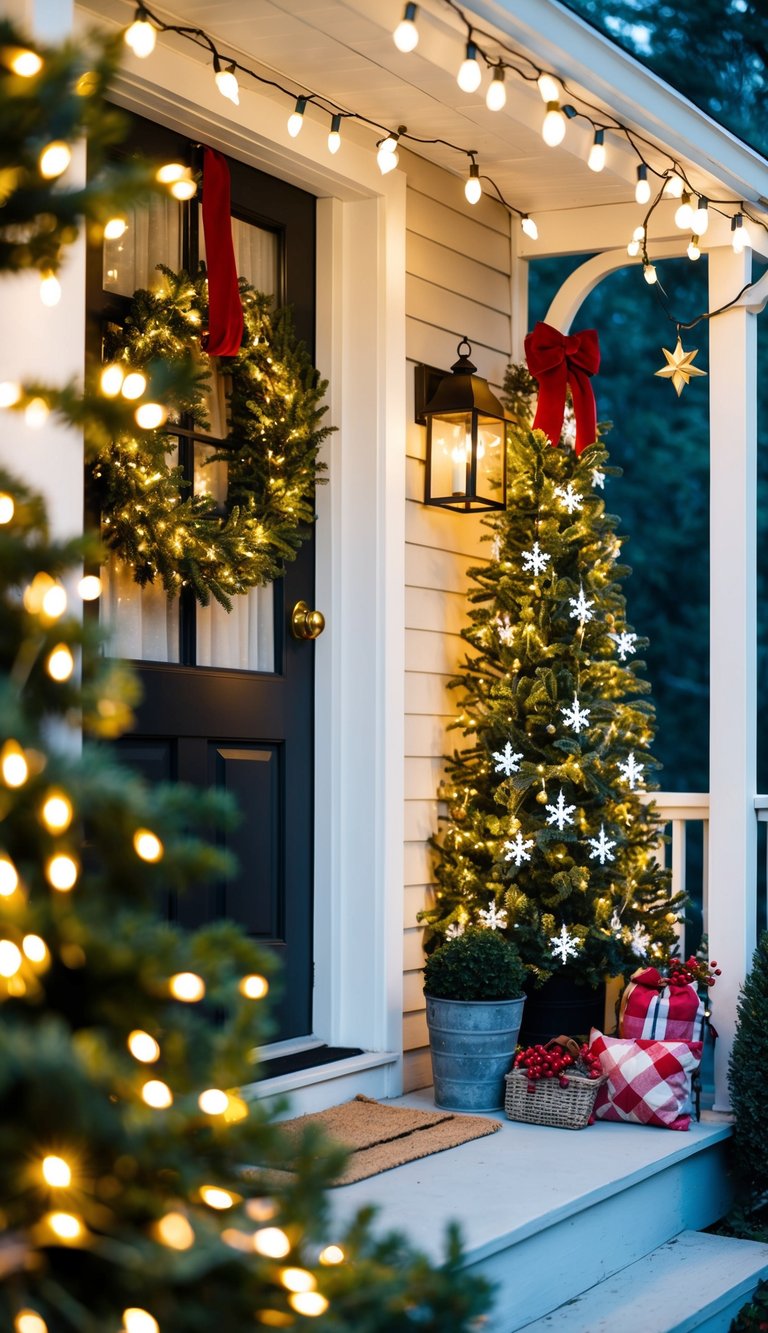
pixel 381 1136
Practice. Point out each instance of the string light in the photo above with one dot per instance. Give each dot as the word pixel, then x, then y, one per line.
pixel 740 237
pixel 528 225
pixel 29 1321
pixel 701 216
pixel 694 250
pixel 254 987
pixel 134 385
pixel 643 186
pixel 25 63
pixel 213 1101
pixel 334 134
pixel 150 416
pixel 332 1254
pixel 596 159
pixel 271 1242
pixel 13 765
pixel 217 1198
pixel 553 125
pixel 674 186
pixel 470 75
pixel 111 379
pixel 298 1279
pixel 36 413
pixel 54 159
pixel 50 288
pixel 157 1094
pixel 56 812
pixel 548 87
pixel 187 986
pixel 143 1047
pixel 406 34
pixel 60 663
pixel 473 189
pixel 62 871
pixel 9 878
pixel 65 1225
pixel 148 846
pixel 10 958
pixel 185 187
pixel 496 96
pixel 10 393
pixel 296 118
pixel 89 587
pixel 310 1303
pixel 114 229
pixel 226 81
pixel 141 35
pixel 650 274
pixel 54 602
pixel 137 1320
pixel 174 1230
pixel 387 156
pixel 170 173
pixel 684 213
pixel 34 948
pixel 56 1172
pixel 638 236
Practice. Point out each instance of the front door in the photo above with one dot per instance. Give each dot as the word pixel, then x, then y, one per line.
pixel 227 698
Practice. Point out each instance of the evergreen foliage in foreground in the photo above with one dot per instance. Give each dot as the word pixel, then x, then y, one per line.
pixel 548 837
pixel 749 1082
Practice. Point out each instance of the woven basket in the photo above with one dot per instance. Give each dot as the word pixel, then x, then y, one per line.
pixel 549 1103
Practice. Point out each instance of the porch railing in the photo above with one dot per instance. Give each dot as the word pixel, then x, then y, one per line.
pixel 684 821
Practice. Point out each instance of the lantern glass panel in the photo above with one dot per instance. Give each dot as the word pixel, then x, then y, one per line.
pixel 491 437
pixel 451 453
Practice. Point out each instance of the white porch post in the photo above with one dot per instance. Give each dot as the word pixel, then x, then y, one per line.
pixel 732 728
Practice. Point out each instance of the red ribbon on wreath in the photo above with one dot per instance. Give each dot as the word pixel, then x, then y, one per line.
pixel 557 360
pixel 225 310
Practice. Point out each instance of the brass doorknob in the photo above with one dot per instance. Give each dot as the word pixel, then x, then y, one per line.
pixel 306 624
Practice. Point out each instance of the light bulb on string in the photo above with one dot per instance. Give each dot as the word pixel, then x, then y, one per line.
pixel 56 1172
pixel 187 987
pixel 133 385
pixel 60 663
pixel 650 274
pixel 684 213
pixel 740 237
pixel 549 88
pixel 10 393
pixel 470 75
pixel 638 236
pixel 694 249
pixel 643 186
pixel 29 1321
pixel 296 118
pixel 170 172
pixel 185 187
pixel 387 156
pixel 89 587
pixel 674 186
pixel 13 765
pixel 143 1047
pixel 141 35
pixel 56 812
pixel 496 96
pixel 554 123
pixel 148 846
pixel 10 959
pixel 334 134
pixel 701 216
pixel 115 228
pixel 596 159
pixel 226 81
pixel 111 379
pixel 473 189
pixel 50 288
pixel 311 1303
pixel 7 508
pixel 150 416
pixel 9 877
pixel 35 948
pixel 36 413
pixel 137 1320
pixel 157 1094
pixel 25 63
pixel 406 34
pixel 254 986
pixel 62 871
pixel 528 225
pixel 54 159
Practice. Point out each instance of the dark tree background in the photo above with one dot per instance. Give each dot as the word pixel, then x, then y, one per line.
pixel 660 441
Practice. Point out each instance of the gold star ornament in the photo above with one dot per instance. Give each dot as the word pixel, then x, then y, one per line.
pixel 679 368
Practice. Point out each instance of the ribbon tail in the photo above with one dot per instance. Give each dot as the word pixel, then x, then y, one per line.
pixel 584 408
pixel 550 408
pixel 225 310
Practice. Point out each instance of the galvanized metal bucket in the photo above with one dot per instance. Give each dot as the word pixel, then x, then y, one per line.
pixel 472 1043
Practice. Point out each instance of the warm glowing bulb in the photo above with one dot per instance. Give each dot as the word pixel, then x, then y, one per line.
pixel 298 1279
pixel 740 237
pixel 387 158
pixel 553 127
pixel 332 1254
pixel 175 1231
pixel 28 1321
pixel 157 1094
pixel 54 159
pixel 674 186
pixel 137 1320
pixel 134 385
pixel 473 189
pixel 34 948
pixel 643 186
pixel 296 118
pixel 61 872
pixel 650 274
pixel 254 987
pixel 684 214
pixel 36 413
pixel 406 34
pixel 141 36
pixel 470 75
pixel 111 380
pixel 213 1101
pixel 10 958
pixel 9 877
pixel 596 159
pixel 187 986
pixel 528 225
pixel 309 1303
pixel 89 587
pixel 496 96
pixel 216 1198
pixel 13 765
pixel 26 63
pixel 548 87
pixel 143 1047
pixel 701 217
pixel 57 1172
pixel 334 135
pixel 54 601
pixel 694 249
pixel 65 1225
pixel 57 812
pixel 114 229
pixel 60 663
pixel 150 416
pixel 50 288
pixel 226 82
pixel 184 189
pixel 10 393
pixel 170 172
pixel 7 508
pixel 271 1242
pixel 148 846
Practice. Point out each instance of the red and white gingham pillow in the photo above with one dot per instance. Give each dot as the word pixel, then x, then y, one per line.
pixel 648 1083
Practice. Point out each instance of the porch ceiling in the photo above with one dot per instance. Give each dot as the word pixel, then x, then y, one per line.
pixel 343 50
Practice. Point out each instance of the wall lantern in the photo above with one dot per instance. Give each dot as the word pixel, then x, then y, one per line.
pixel 466 437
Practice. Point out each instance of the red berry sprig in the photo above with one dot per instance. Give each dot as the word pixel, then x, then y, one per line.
pixel 538 1062
pixel 693 970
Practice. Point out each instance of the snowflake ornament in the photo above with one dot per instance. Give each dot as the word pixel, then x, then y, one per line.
pixel 569 497
pixel 535 561
pixel 581 607
pixel 505 629
pixel 455 929
pixel 640 941
pixel 564 945
pixel 575 717
pixel 518 850
pixel 496 547
pixel 493 918
pixel 507 761
pixel 560 813
pixel 601 847
pixel 614 924
pixel 631 771
pixel 625 643
pixel 598 478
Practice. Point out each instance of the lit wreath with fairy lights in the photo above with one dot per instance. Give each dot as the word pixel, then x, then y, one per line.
pixel 151 518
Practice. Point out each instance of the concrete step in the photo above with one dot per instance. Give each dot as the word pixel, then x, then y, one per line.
pixel 695 1283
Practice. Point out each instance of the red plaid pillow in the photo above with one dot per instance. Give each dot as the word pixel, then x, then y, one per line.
pixel 648 1082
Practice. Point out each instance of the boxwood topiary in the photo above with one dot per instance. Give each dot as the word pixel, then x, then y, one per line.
pixel 478 965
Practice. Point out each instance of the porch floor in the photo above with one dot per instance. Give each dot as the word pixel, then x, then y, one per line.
pixel 534 1202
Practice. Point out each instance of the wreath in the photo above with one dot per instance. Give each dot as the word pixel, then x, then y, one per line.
pixel 152 519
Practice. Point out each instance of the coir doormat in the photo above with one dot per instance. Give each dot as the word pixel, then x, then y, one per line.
pixel 381 1136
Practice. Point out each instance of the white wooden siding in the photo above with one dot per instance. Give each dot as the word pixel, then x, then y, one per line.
pixel 458 284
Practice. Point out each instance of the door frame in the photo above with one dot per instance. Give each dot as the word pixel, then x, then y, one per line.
pixel 360 660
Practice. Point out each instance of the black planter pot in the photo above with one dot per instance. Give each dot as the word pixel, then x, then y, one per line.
pixel 560 1006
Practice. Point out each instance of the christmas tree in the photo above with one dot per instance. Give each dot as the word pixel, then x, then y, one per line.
pixel 547 836
pixel 125 1039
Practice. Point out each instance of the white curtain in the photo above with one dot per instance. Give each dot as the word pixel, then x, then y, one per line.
pixel 153 236
pixel 143 622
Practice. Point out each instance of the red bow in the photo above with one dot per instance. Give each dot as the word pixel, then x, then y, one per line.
pixel 556 359
pixel 649 976
pixel 225 310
